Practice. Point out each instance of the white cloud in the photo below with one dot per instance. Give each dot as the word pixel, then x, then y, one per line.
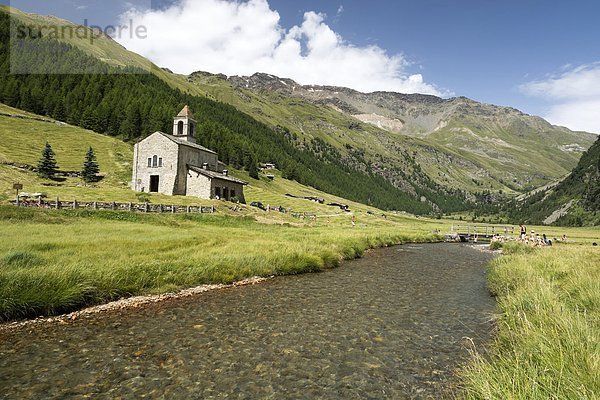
pixel 237 37
pixel 574 96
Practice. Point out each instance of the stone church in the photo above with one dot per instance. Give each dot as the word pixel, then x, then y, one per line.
pixel 176 165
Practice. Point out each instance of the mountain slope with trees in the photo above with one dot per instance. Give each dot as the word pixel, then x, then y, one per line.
pixel 129 103
pixel 574 201
pixel 443 155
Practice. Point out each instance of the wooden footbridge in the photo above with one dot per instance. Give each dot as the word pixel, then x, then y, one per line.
pixel 476 232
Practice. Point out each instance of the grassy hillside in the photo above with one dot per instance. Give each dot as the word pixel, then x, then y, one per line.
pixel 23 136
pixel 573 201
pixel 22 141
pixel 517 150
pixel 101 47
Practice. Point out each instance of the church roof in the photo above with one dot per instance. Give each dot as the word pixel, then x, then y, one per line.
pixel 186 113
pixel 186 143
pixel 216 175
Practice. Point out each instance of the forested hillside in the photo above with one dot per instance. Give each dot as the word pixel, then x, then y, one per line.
pixel 131 104
pixel 575 201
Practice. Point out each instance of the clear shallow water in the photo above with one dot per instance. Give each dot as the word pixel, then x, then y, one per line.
pixel 392 325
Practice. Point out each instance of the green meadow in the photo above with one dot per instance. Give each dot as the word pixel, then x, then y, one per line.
pixel 547 343
pixel 58 261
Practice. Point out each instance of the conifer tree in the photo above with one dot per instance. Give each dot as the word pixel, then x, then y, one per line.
pixel 47 166
pixel 251 164
pixel 59 113
pixel 90 167
pixel 253 170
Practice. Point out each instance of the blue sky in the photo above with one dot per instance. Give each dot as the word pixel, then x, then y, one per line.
pixel 542 57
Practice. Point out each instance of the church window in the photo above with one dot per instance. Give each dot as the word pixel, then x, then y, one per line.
pixel 155 161
pixel 180 128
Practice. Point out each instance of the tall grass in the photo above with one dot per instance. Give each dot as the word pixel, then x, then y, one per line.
pixel 57 261
pixel 548 339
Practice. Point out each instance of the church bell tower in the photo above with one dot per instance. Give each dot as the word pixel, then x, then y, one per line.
pixel 184 125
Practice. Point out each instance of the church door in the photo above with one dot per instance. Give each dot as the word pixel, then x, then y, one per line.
pixel 154 179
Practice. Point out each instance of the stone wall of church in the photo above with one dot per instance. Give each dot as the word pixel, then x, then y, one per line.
pixel 165 168
pixel 196 157
pixel 198 185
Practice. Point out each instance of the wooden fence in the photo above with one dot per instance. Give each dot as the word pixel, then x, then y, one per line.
pixel 114 206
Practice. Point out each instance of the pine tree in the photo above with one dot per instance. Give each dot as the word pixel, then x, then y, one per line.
pixel 132 126
pixel 251 164
pixel 253 170
pixel 59 113
pixel 90 167
pixel 47 167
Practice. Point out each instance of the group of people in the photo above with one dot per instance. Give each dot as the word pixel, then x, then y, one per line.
pixel 536 239
pixel 533 239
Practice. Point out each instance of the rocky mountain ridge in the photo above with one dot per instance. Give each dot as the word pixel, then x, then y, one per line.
pixel 406 108
pixel 459 142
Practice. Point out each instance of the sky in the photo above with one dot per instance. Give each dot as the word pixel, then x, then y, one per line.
pixel 539 56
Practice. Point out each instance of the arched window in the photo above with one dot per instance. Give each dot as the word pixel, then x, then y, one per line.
pixel 155 161
pixel 180 128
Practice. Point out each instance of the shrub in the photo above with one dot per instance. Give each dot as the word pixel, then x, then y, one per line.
pixel 495 245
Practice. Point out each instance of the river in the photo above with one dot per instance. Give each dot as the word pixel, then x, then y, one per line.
pixel 395 324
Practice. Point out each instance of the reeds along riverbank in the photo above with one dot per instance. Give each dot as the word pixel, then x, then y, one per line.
pixel 60 261
pixel 548 327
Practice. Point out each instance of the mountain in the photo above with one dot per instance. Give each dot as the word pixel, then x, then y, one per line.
pixel 420 153
pixel 572 201
pixel 458 142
